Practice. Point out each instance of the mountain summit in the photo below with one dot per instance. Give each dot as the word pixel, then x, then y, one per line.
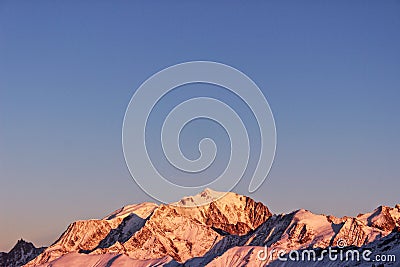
pixel 203 198
pixel 227 231
pixel 20 254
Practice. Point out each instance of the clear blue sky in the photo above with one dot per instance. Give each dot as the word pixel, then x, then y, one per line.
pixel 330 71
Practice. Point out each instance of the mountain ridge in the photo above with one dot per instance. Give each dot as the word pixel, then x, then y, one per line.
pixel 147 234
pixel 21 253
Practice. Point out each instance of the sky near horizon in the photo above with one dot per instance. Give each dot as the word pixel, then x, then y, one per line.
pixel 329 69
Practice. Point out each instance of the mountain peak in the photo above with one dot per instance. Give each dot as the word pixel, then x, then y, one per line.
pixel 203 198
pixel 211 194
pixel 20 254
pixel 21 241
pixel 209 191
pixel 383 217
pixel 22 244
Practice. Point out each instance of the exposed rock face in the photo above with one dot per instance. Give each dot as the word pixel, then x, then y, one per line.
pixel 384 218
pixel 227 231
pixel 91 235
pixel 170 233
pixel 233 213
pixel 248 216
pixel 80 235
pixel 295 231
pixel 20 254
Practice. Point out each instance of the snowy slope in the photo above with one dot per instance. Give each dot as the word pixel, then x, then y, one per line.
pixel 224 231
pixel 106 260
pixel 91 235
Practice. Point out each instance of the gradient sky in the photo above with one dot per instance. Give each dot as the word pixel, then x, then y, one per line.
pixel 329 69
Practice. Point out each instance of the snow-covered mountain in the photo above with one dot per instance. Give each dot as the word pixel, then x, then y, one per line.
pixel 147 231
pixel 20 254
pixel 228 231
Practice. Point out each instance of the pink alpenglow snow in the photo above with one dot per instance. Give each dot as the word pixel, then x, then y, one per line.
pixel 228 231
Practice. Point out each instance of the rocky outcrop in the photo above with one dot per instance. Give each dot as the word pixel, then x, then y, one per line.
pixel 20 254
pixel 91 235
pixel 383 218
